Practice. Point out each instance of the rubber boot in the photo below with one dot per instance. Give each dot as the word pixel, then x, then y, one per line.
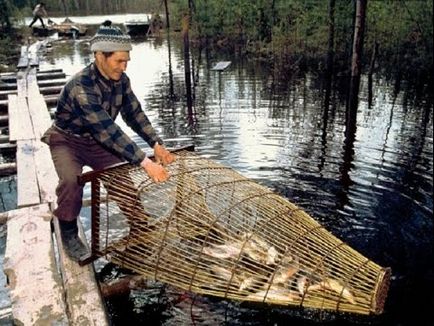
pixel 72 244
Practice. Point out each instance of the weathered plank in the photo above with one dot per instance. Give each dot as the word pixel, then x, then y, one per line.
pixel 4 93
pixel 221 65
pixel 35 286
pixel 41 119
pixel 82 294
pixel 27 184
pixel 8 169
pixel 20 124
pixel 45 173
pixel 22 82
pixel 32 85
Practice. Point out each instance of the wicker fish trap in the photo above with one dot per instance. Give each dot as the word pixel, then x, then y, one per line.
pixel 212 231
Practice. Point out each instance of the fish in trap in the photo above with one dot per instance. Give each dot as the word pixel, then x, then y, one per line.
pixel 211 231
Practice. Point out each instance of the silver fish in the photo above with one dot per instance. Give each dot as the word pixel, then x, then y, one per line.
pixel 251 245
pixel 274 293
pixel 288 268
pixel 302 284
pixel 335 286
pixel 227 250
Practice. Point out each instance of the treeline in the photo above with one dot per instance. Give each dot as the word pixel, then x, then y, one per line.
pixel 86 7
pixel 398 33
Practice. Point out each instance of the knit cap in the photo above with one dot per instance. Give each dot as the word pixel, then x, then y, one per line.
pixel 110 38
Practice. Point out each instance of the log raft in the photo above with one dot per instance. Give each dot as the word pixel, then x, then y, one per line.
pixel 46 287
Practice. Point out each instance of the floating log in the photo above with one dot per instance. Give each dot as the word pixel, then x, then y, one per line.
pixel 7 86
pixel 50 90
pixel 51 100
pixel 4 139
pixel 222 65
pixel 5 313
pixel 8 169
pixel 4 118
pixel 51 82
pixel 39 76
pixel 14 73
pixel 8 148
pixel 4 93
pixel 41 83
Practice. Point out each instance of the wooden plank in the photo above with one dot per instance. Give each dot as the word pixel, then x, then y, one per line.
pixel 24 60
pixel 23 63
pixel 32 85
pixel 8 169
pixel 22 83
pixel 20 124
pixel 35 285
pixel 4 94
pixel 222 65
pixel 8 148
pixel 27 184
pixel 45 173
pixel 83 297
pixel 41 119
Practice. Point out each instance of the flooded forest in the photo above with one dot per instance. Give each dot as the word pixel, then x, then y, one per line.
pixel 328 103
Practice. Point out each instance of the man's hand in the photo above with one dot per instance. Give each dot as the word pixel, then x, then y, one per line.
pixel 155 171
pixel 162 155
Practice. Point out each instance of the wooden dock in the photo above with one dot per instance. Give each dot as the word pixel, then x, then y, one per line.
pixel 46 287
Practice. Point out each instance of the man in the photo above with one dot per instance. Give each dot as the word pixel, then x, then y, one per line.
pixel 84 131
pixel 39 12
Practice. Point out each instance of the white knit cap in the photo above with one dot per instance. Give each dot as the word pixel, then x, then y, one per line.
pixel 110 38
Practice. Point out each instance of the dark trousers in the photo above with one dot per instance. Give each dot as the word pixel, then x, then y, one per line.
pixel 35 18
pixel 70 153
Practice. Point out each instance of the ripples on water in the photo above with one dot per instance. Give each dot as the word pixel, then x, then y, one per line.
pixel 375 192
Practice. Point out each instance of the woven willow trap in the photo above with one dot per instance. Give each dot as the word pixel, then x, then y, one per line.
pixel 211 231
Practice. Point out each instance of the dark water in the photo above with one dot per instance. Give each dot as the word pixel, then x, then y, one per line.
pixel 369 181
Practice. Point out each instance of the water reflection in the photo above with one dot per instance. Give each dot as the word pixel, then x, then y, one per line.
pixel 364 172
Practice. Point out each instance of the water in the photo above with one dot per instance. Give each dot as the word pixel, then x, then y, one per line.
pixel 370 184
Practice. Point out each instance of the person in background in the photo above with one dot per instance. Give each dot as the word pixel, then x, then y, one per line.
pixel 38 12
pixel 84 131
pixel 156 25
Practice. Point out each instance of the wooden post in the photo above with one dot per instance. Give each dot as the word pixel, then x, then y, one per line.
pixel 359 29
pixel 187 69
pixel 331 38
pixel 166 9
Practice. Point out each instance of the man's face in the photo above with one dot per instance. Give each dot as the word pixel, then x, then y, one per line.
pixel 113 66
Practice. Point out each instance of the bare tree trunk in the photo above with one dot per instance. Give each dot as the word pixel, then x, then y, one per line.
pixel 331 41
pixel 187 69
pixel 167 15
pixel 359 29
pixel 371 71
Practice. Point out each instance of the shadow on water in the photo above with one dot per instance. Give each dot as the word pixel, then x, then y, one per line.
pixel 364 172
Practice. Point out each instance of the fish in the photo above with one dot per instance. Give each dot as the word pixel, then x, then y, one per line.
pixel 251 245
pixel 302 284
pixel 242 280
pixel 221 272
pixel 272 255
pixel 227 250
pixel 288 268
pixel 246 283
pixel 274 293
pixel 335 286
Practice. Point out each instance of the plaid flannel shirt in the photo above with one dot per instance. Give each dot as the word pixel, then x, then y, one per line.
pixel 89 104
